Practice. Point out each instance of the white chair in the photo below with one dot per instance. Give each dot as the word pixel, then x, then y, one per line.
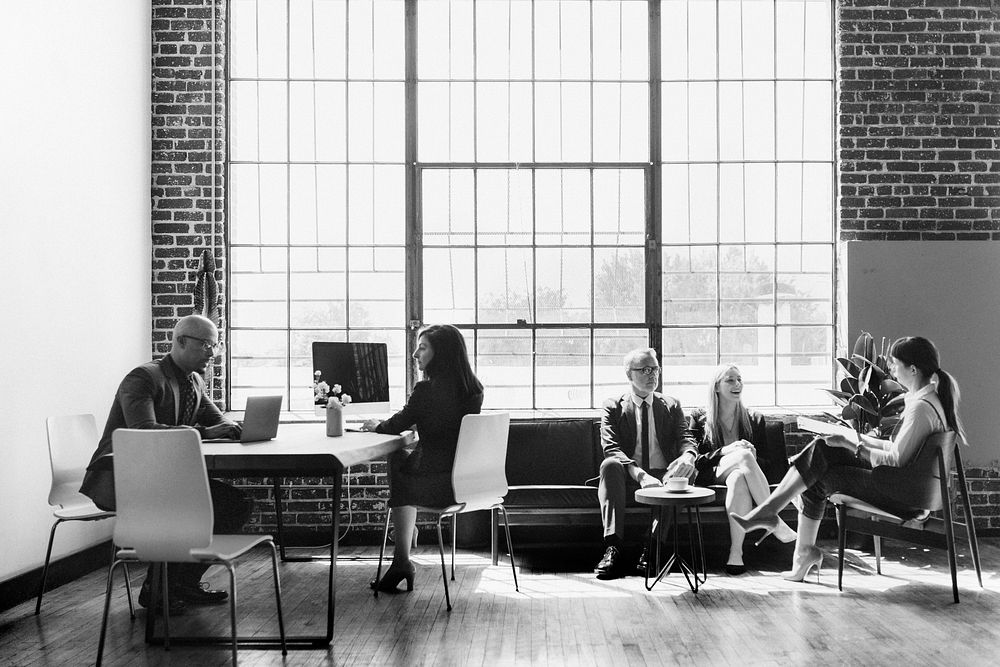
pixel 72 439
pixel 165 516
pixel 479 480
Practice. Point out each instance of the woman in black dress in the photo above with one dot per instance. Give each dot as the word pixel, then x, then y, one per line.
pixel 728 437
pixel 422 476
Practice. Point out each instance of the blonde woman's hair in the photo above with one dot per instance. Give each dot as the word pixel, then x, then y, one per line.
pixel 713 425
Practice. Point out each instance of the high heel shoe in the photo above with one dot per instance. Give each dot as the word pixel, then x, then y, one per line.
pixel 390 580
pixel 768 523
pixel 814 558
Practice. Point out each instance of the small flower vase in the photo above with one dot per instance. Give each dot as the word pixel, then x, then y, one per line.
pixel 334 419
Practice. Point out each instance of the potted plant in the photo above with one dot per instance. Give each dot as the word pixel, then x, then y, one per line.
pixel 870 399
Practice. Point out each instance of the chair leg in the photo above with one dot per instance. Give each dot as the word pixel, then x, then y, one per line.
pixel 454 539
pixel 381 553
pixel 107 605
pixel 877 540
pixel 841 542
pixel 970 523
pixel 165 601
pixel 45 568
pixel 510 546
pixel 277 516
pixel 232 607
pixel 494 552
pixel 444 571
pixel 277 597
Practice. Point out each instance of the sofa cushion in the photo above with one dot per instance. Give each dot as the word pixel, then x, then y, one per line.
pixel 554 496
pixel 551 452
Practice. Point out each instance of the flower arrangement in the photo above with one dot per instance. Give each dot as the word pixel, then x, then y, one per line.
pixel 324 394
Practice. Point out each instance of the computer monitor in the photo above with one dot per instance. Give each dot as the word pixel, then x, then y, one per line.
pixel 362 371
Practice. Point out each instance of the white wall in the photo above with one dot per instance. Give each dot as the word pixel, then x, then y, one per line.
pixel 74 240
pixel 949 292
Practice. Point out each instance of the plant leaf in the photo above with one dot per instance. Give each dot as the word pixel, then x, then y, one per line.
pixel 864 346
pixel 864 404
pixel 849 367
pixel 849 386
pixel 866 375
pixel 849 413
pixel 890 386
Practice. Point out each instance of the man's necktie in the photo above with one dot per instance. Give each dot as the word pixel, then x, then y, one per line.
pixel 644 440
pixel 189 398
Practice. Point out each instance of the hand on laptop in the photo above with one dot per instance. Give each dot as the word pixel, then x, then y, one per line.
pixel 224 430
pixel 370 424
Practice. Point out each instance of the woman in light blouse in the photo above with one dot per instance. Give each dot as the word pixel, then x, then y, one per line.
pixel 834 464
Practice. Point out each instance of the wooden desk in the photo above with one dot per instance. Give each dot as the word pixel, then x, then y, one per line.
pixel 298 450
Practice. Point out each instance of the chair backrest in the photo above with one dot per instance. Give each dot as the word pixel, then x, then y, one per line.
pixel 72 441
pixel 918 483
pixel 478 473
pixel 163 503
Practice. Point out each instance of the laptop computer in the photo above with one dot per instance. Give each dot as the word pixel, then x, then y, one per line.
pixel 260 420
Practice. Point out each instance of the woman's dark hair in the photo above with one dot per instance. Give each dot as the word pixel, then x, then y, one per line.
pixel 450 358
pixel 921 353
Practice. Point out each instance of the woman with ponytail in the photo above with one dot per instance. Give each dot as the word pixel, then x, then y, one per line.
pixel 834 464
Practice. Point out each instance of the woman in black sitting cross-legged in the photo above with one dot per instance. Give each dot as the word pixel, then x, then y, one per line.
pixel 834 464
pixel 422 476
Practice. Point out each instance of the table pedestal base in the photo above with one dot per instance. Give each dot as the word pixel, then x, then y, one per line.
pixel 690 574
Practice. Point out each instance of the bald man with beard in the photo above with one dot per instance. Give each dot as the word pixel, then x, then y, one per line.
pixel 164 394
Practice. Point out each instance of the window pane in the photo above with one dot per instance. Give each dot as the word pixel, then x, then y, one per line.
pixel 746 202
pixel 805 284
pixel 562 212
pixel 316 47
pixel 746 284
pixel 690 286
pixel 503 206
pixel 505 279
pixel 746 39
pixel 562 39
pixel 317 206
pixel 375 211
pixel 621 122
pixel 449 285
pixel 375 285
pixel 620 40
pixel 445 122
pixel 562 122
pixel 258 364
pixel 804 44
pixel 619 207
pixel 503 39
pixel 447 206
pixel 503 364
pixel 259 203
pixel 806 367
pixel 562 368
pixel 618 285
pixel 562 289
pixel 503 122
pixel 804 116
pixel 805 202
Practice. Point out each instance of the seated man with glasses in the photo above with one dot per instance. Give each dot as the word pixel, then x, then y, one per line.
pixel 645 439
pixel 170 393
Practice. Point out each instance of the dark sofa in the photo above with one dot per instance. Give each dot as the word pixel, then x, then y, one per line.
pixel 549 462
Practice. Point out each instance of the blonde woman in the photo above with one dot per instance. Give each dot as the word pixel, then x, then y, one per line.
pixel 730 443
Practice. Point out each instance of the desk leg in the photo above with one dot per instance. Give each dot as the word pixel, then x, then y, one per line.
pixel 338 482
pixel 277 517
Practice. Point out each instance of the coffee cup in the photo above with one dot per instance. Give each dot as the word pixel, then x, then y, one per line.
pixel 677 483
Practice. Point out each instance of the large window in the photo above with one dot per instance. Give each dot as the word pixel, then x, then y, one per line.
pixel 563 180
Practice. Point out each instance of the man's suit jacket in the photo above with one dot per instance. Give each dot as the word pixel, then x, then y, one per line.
pixel 618 428
pixel 148 397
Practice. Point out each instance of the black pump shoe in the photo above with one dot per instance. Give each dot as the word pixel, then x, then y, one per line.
pixel 390 580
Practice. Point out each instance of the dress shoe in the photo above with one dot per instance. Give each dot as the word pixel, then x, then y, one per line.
pixel 735 570
pixel 801 564
pixel 610 565
pixel 198 594
pixel 640 565
pixel 390 580
pixel 175 607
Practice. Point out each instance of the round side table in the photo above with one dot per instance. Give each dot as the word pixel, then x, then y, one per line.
pixel 658 497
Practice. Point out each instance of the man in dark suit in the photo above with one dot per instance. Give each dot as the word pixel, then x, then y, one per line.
pixel 163 394
pixel 645 440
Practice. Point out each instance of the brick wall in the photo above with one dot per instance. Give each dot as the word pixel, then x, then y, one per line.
pixel 919 118
pixel 186 220
pixel 919 132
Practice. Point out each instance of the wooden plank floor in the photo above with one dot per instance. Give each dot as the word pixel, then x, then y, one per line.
pixel 561 616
